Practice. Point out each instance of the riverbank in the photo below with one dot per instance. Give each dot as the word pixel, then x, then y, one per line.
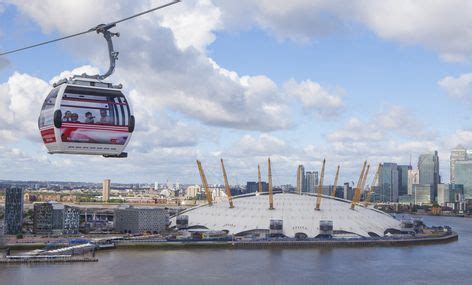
pixel 45 259
pixel 324 243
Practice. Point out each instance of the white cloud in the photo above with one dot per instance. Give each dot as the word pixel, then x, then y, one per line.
pixel 21 98
pixel 460 137
pixel 193 23
pixel 391 122
pixel 156 61
pixel 314 97
pixel 442 26
pixel 87 69
pixel 458 87
pixel 67 16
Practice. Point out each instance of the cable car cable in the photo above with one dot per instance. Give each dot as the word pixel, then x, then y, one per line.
pixel 97 28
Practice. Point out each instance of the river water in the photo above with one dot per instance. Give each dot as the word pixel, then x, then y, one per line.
pixel 449 263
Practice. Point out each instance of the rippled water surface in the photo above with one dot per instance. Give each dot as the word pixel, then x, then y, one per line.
pixel 449 263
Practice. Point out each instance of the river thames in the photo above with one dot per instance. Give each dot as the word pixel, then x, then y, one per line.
pixel 449 263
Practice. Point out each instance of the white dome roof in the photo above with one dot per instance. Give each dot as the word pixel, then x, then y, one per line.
pixel 298 213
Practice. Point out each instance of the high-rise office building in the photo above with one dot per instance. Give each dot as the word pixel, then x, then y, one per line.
pixel 139 220
pixel 403 179
pixel 422 194
pixel 428 167
pixel 106 190
pixel 47 217
pixel 310 181
pixel 463 175
pixel 413 178
pixel 459 153
pixel 388 183
pixel 71 220
pixel 13 211
pixel 303 185
pixel 348 191
pixel 252 187
pixel 2 237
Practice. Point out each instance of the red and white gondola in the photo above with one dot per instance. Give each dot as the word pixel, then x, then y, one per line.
pixel 86 116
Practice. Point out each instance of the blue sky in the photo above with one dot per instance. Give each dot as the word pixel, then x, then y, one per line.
pixel 275 82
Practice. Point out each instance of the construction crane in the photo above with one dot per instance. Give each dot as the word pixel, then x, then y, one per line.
pixel 299 186
pixel 335 183
pixel 357 190
pixel 374 181
pixel 271 198
pixel 205 183
pixel 228 190
pixel 320 187
pixel 259 177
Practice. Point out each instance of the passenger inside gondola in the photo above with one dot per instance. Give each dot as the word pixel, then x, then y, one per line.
pixel 74 118
pixel 67 116
pixel 89 118
pixel 104 118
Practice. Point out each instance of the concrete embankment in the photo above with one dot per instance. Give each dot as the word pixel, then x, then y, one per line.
pixel 47 260
pixel 287 243
pixel 347 243
pixel 171 245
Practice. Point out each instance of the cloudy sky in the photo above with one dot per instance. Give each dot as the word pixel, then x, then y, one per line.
pixel 294 80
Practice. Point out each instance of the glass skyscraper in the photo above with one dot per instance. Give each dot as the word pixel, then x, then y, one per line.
pixel 403 179
pixel 303 179
pixel 463 175
pixel 457 154
pixel 422 193
pixel 13 211
pixel 428 167
pixel 388 183
pixel 310 181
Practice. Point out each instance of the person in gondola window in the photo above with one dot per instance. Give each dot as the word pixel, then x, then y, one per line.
pixel 104 118
pixel 89 119
pixel 67 116
pixel 74 118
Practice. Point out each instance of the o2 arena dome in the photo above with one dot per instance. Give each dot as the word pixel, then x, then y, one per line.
pixel 293 215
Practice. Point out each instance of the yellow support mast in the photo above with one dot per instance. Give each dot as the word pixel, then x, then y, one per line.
pixel 320 187
pixel 259 178
pixel 364 180
pixel 333 192
pixel 271 198
pixel 228 190
pixel 374 181
pixel 205 183
pixel 357 193
pixel 299 186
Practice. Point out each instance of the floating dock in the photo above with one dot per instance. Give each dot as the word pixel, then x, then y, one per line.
pixel 22 259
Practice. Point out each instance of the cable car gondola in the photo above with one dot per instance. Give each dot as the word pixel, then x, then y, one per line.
pixel 83 114
pixel 86 116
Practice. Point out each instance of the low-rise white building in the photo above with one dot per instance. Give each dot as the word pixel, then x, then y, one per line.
pixel 251 213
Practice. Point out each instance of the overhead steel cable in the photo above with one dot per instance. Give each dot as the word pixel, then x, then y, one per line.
pixel 102 26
